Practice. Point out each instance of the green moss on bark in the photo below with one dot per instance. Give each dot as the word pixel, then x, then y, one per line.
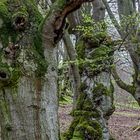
pixel 8 16
pixel 5 23
pixel 4 14
pixel 102 51
pixel 6 116
pixel 99 59
pixel 32 33
pixel 86 113
pixel 13 75
pixel 80 101
pixel 80 49
pixel 100 90
pixel 84 126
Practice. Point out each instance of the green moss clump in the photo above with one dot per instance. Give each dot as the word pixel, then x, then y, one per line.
pixel 16 73
pixel 42 66
pixel 99 60
pixel 8 15
pixel 88 106
pixel 30 37
pixel 61 3
pixel 69 134
pixel 34 15
pixel 100 90
pixel 84 126
pixel 80 49
pixel 13 75
pixel 4 14
pixel 90 129
pixel 96 39
pixel 6 25
pixel 38 56
pixel 85 113
pixel 102 51
pixel 80 101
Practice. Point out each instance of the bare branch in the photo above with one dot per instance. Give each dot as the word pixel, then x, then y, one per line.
pixel 122 84
pixel 112 17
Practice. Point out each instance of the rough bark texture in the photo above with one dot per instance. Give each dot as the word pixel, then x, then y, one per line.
pixel 95 102
pixel 22 67
pixel 28 72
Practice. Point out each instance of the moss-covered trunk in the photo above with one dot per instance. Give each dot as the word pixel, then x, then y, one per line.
pixel 28 70
pixel 28 98
pixel 95 102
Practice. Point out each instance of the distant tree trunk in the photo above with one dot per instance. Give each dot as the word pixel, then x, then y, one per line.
pixel 95 102
pixel 28 70
pixel 133 32
pixel 74 68
pixel 129 31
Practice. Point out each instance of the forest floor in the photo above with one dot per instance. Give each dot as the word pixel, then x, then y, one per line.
pixel 121 124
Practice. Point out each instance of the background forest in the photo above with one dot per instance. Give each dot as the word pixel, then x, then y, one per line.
pixel 69 69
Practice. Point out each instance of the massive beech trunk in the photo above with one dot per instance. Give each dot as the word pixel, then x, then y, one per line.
pixel 28 70
pixel 95 102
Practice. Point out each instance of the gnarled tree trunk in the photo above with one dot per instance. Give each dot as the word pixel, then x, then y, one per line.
pixel 95 102
pixel 28 70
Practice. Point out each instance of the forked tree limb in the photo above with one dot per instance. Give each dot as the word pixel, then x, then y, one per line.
pixel 55 21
